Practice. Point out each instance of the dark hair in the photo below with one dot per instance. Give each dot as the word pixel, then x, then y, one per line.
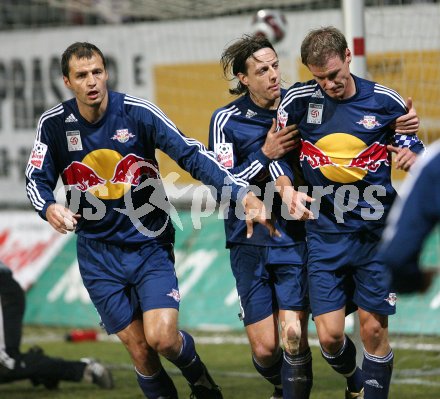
pixel 321 44
pixel 234 57
pixel 79 50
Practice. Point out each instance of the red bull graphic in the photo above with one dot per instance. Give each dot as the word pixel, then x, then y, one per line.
pixel 369 122
pixel 130 169
pixel 314 156
pixel 372 157
pixel 122 135
pixel 81 176
pixel 344 158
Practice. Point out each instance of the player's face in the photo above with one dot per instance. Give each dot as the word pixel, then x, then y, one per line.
pixel 334 77
pixel 263 78
pixel 88 82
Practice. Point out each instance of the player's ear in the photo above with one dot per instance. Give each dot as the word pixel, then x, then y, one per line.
pixel 348 55
pixel 67 82
pixel 242 78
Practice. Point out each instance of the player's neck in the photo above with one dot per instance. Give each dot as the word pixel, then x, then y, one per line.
pixel 93 113
pixel 350 91
pixel 264 102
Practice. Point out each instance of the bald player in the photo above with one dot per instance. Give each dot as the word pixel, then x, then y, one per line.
pixel 346 125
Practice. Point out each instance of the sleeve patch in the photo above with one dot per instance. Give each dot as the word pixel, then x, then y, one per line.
pixel 225 154
pixel 37 155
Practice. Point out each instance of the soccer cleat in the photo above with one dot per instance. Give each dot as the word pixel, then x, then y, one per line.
pixel 205 387
pixel 97 374
pixel 354 395
pixel 277 393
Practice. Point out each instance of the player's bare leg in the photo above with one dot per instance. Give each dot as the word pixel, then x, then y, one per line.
pixel 339 351
pixel 377 365
pixel 296 371
pixel 151 376
pixel 178 347
pixel 267 355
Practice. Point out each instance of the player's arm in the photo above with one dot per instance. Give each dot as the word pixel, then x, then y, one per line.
pixel 41 179
pixel 276 145
pixel 408 123
pixel 405 146
pixel 195 158
pixel 411 219
pixel 295 201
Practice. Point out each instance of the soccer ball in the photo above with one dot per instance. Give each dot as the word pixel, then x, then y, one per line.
pixel 270 23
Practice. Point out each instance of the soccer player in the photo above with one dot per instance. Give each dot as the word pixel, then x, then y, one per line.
pixel 413 216
pixel 34 364
pixel 270 271
pixel 103 145
pixel 345 124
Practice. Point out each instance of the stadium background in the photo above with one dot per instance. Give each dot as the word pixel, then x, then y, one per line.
pixel 168 52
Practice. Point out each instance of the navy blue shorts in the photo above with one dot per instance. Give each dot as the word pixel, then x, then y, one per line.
pixel 268 279
pixel 124 282
pixel 346 267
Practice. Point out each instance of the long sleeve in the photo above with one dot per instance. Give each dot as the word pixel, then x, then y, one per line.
pixel 41 173
pixel 220 141
pixel 413 217
pixel 193 156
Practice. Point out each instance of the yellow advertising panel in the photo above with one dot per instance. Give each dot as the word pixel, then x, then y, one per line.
pixel 189 94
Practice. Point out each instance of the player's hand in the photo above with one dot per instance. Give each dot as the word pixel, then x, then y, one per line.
pixel 256 213
pixel 428 277
pixel 296 202
pixel 61 218
pixel 408 123
pixel 404 157
pixel 279 143
pixel 416 283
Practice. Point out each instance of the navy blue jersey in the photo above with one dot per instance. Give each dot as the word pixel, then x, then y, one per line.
pixel 236 134
pixel 343 155
pixel 110 168
pixel 414 214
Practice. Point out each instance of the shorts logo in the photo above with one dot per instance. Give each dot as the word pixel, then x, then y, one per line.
pixel 241 314
pixel 175 295
pixel 369 122
pixel 373 383
pixel 392 299
pixel 37 155
pixel 225 154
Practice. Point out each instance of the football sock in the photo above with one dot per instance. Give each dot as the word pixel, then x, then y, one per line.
pixel 297 375
pixel 273 372
pixel 344 362
pixel 188 360
pixel 158 385
pixel 377 375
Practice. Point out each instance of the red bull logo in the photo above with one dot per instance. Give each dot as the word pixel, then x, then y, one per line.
pixel 371 158
pixel 108 175
pixel 369 122
pixel 131 168
pixel 314 156
pixel 122 135
pixel 81 176
pixel 344 158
